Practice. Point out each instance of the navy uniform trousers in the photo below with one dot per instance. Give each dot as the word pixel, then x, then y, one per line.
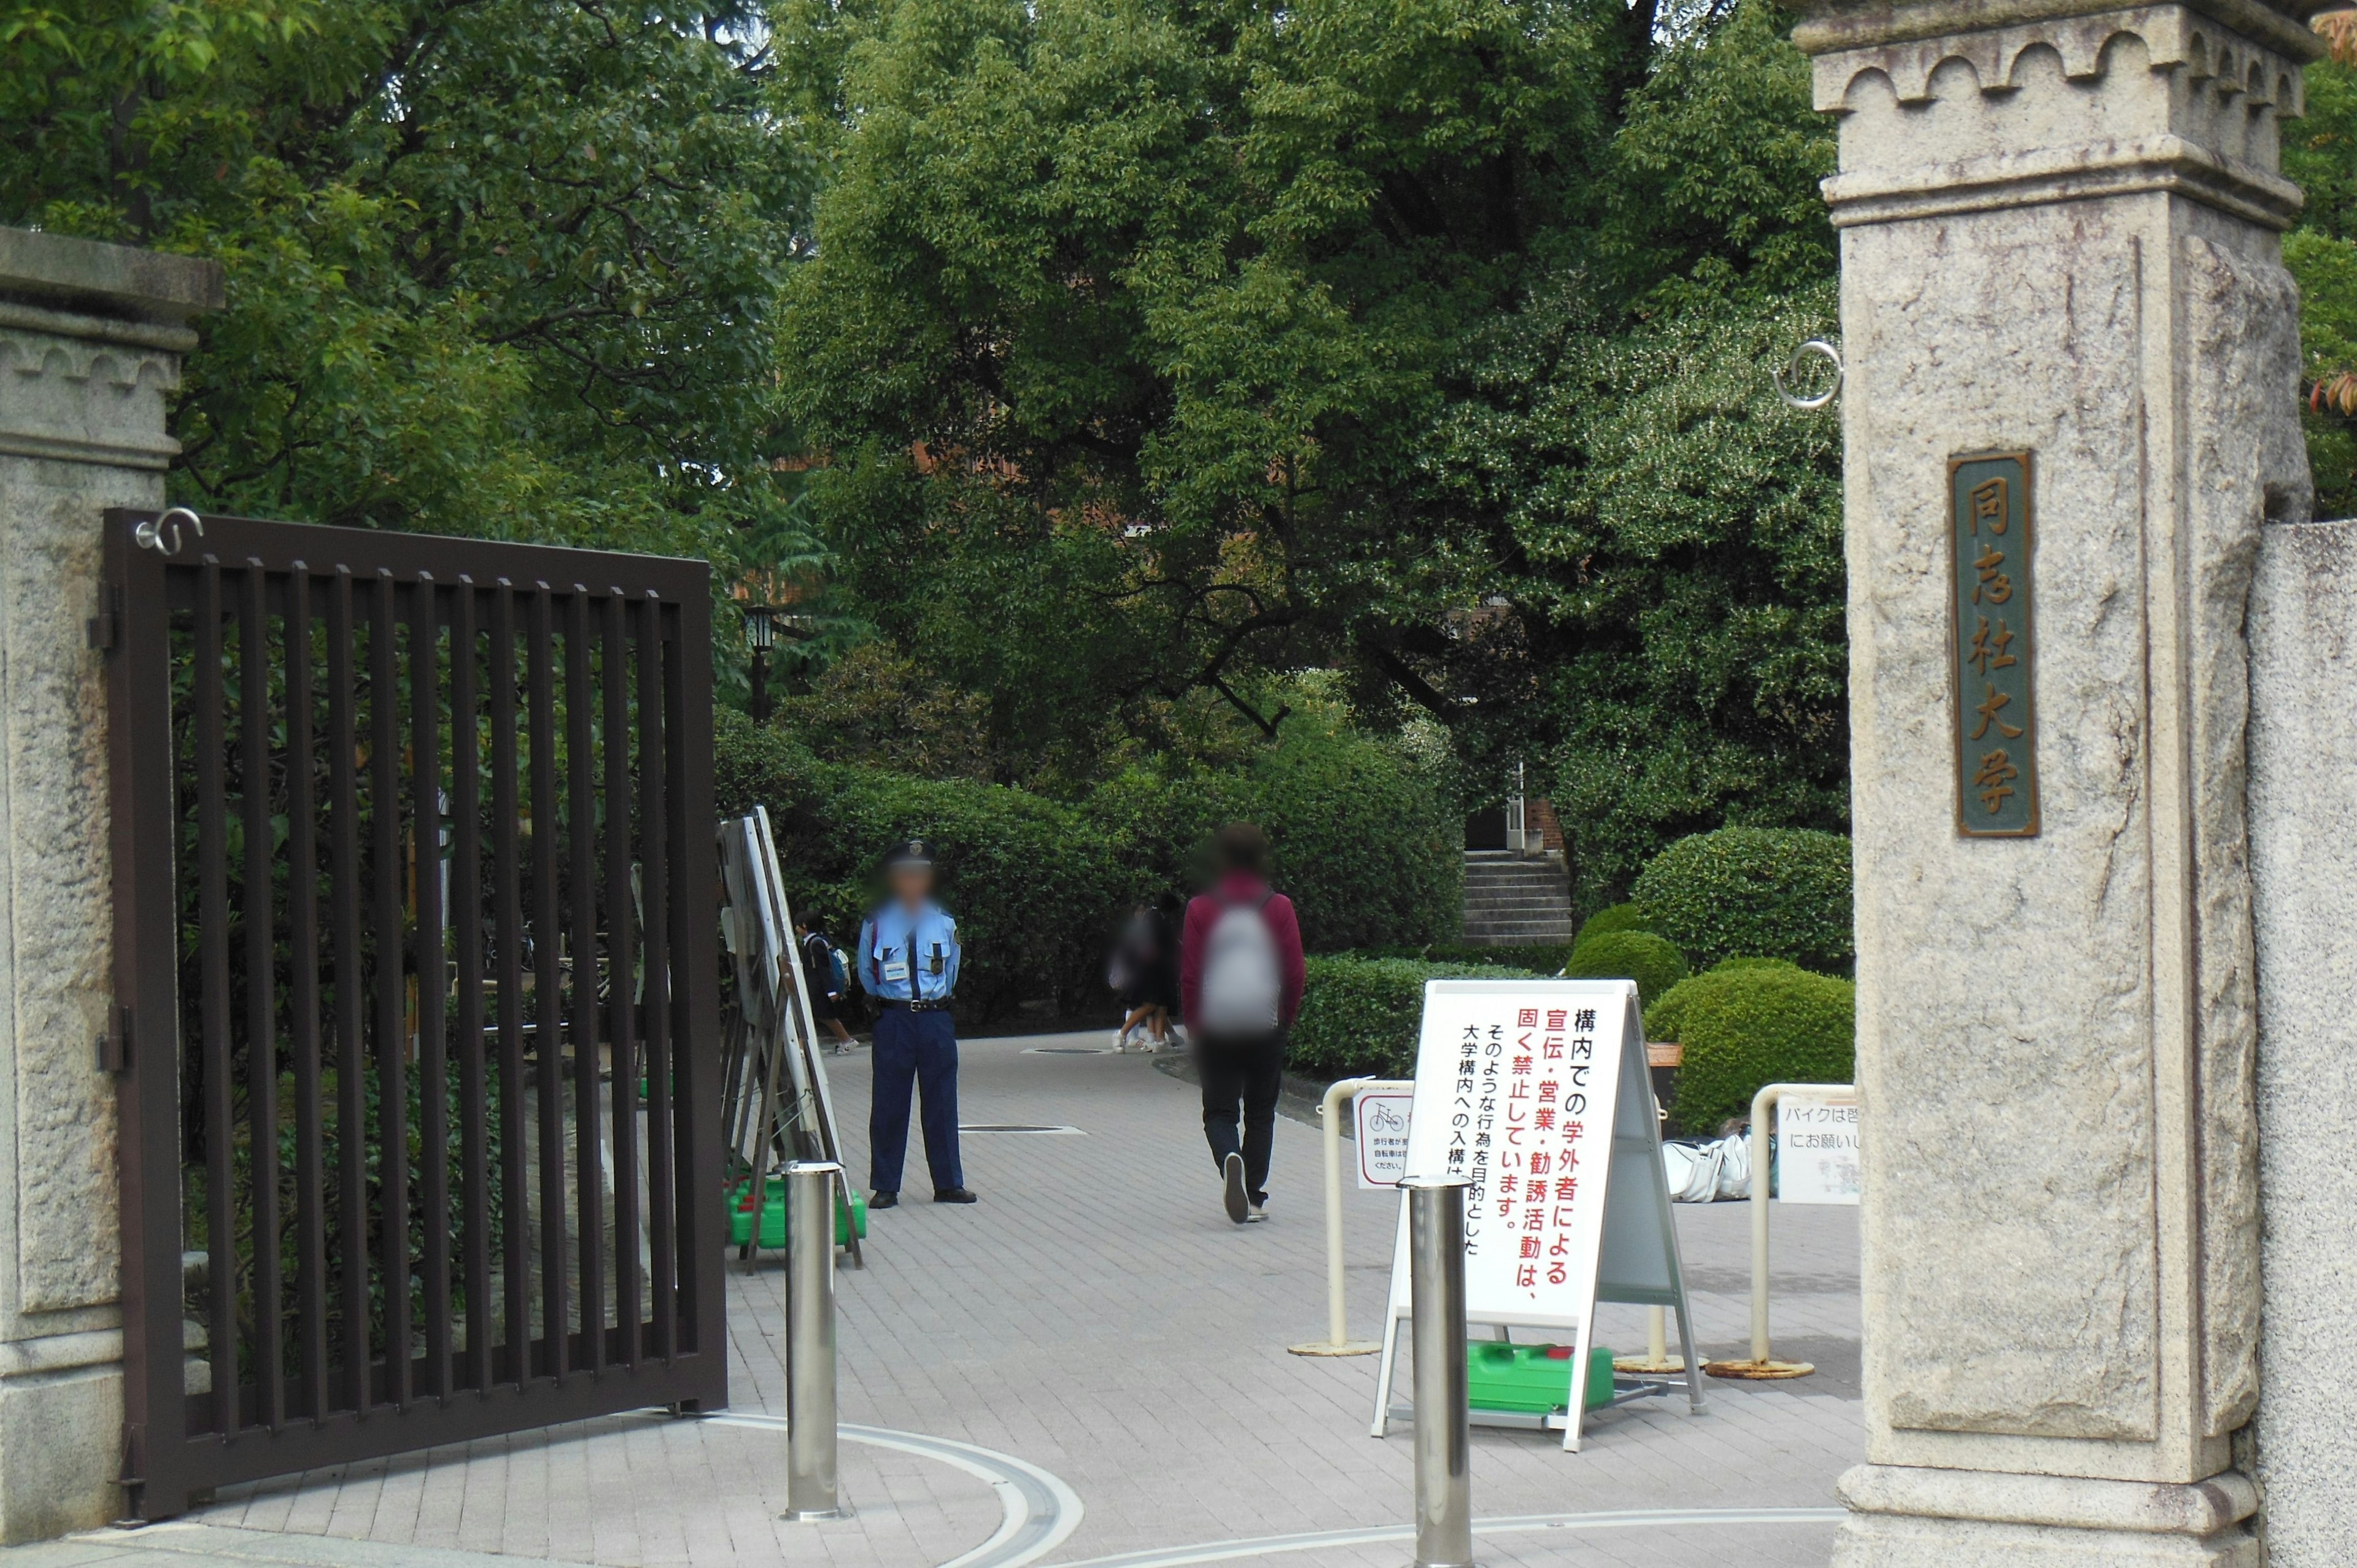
pixel 914 1051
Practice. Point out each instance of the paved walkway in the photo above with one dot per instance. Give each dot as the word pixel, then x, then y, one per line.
pixel 1090 1365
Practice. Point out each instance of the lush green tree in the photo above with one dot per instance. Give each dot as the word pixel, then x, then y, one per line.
pixel 1152 346
pixel 504 267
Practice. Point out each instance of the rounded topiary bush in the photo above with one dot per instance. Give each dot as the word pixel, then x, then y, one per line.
pixel 1748 1026
pixel 1652 962
pixel 1763 892
pixel 1611 919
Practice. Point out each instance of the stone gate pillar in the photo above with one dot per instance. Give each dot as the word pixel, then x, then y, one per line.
pixel 2072 358
pixel 90 340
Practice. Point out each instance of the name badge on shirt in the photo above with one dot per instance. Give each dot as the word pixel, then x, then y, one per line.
pixel 895 968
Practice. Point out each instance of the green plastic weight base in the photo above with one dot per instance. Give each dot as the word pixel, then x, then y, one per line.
pixel 849 1219
pixel 1532 1380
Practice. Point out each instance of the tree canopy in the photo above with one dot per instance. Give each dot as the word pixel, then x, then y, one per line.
pixel 500 267
pixel 1152 348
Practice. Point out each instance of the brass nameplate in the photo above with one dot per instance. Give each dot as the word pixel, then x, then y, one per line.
pixel 1989 607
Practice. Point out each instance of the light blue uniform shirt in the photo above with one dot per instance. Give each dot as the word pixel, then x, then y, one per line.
pixel 891 935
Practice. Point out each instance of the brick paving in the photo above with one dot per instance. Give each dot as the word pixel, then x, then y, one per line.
pixel 1098 1316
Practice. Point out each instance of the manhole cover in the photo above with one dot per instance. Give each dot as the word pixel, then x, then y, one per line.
pixel 1069 1051
pixel 1016 1127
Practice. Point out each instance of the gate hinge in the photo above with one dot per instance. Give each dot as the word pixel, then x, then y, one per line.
pixel 103 625
pixel 115 1050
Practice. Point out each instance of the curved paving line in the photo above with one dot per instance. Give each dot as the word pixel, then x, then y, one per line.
pixel 1037 1511
pixel 1317 1540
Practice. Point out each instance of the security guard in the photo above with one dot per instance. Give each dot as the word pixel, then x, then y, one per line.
pixel 909 962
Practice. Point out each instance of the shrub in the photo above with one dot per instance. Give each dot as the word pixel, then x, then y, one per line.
pixel 1754 1025
pixel 1641 956
pixel 1030 881
pixel 1363 838
pixel 1614 917
pixel 1768 892
pixel 1737 965
pixel 1545 959
pixel 1363 1016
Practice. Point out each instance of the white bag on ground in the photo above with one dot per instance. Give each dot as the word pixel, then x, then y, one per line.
pixel 1703 1171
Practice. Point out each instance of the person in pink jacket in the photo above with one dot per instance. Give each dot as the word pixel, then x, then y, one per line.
pixel 1239 976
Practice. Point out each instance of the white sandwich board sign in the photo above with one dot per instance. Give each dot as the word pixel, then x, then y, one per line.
pixel 1380 1132
pixel 1536 1092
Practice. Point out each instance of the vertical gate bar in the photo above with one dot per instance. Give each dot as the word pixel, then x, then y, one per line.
pixel 548 930
pixel 433 974
pixel 261 987
pixel 391 1042
pixel 344 884
pixel 515 1202
pixel 688 678
pixel 212 944
pixel 303 1001
pixel 466 883
pixel 654 880
pixel 581 839
pixel 146 808
pixel 622 919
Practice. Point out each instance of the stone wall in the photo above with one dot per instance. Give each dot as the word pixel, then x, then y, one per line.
pixel 2303 763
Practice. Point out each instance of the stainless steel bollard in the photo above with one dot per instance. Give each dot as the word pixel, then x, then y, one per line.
pixel 809 1341
pixel 1444 1488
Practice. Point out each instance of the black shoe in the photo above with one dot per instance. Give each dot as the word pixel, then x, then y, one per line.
pixel 883 1200
pixel 1238 1201
pixel 955 1195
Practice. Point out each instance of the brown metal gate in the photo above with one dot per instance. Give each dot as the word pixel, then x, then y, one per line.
pixel 414 893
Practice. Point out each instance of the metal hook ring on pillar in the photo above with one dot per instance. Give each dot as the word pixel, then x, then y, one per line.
pixel 1818 347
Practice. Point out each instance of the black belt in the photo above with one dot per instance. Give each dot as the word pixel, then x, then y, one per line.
pixel 939 1004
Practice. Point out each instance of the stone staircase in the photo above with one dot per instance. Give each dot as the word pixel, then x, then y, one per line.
pixel 1512 900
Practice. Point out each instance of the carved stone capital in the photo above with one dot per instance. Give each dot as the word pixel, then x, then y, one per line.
pixel 2014 105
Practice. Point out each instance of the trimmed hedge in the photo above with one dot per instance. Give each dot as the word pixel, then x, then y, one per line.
pixel 1364 843
pixel 1363 1014
pixel 1766 892
pixel 1613 918
pixel 1362 838
pixel 1641 956
pixel 1756 1023
pixel 1544 959
pixel 1033 884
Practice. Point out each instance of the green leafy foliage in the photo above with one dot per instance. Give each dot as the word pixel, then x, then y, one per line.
pixel 1641 956
pixel 2319 150
pixel 1364 845
pixel 1426 342
pixel 1766 892
pixel 499 267
pixel 1364 840
pixel 1610 918
pixel 1033 887
pixel 1543 958
pixel 1748 1026
pixel 1363 1016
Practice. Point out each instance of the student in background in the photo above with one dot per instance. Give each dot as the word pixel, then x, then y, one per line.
pixel 829 984
pixel 1145 973
pixel 1240 978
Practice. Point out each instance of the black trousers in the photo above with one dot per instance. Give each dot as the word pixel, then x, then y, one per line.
pixel 1242 1077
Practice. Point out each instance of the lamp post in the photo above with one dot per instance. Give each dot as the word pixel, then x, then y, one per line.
pixel 760 636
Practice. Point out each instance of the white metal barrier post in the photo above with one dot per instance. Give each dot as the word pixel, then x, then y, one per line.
pixel 1337 1340
pixel 1763 1367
